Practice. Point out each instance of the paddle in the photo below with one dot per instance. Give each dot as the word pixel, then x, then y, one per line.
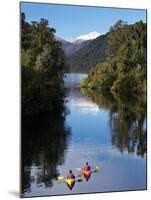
pixel 79 169
pixel 95 168
pixel 61 178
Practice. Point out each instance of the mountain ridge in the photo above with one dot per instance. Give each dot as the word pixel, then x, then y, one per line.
pixel 71 47
pixel 87 57
pixel 88 36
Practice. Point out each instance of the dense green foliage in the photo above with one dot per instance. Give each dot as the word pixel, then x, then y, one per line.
pixel 127 120
pixel 88 56
pixel 124 71
pixel 42 69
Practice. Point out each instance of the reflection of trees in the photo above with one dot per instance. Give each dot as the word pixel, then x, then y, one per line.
pixel 43 143
pixel 127 118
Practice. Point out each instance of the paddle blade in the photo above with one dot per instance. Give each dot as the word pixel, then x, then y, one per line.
pixel 79 180
pixel 60 178
pixel 96 168
pixel 79 169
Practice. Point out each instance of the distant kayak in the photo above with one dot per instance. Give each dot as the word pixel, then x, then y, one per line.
pixel 70 181
pixel 86 172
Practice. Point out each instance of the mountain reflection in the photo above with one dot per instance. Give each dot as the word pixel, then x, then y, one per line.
pixel 127 120
pixel 44 141
pixel 81 102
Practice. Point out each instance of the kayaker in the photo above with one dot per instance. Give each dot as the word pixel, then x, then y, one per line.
pixel 87 166
pixel 71 175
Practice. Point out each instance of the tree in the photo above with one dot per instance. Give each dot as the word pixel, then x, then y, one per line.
pixel 124 71
pixel 42 68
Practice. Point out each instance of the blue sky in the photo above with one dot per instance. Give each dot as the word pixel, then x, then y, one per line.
pixel 73 21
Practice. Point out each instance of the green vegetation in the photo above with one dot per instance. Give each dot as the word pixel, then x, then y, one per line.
pixel 126 120
pixel 124 71
pixel 88 56
pixel 42 69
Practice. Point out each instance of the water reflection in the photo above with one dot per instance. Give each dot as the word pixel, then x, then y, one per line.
pixel 106 131
pixel 84 104
pixel 127 120
pixel 44 141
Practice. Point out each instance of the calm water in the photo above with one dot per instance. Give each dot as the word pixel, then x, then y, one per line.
pixel 100 129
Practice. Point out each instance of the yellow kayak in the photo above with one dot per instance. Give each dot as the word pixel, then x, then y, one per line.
pixel 70 181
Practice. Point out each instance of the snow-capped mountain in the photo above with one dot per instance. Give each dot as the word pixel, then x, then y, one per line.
pixel 72 46
pixel 89 36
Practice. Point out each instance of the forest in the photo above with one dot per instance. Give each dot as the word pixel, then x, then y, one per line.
pixel 124 72
pixel 43 64
pixel 86 103
pixel 87 57
pixel 42 69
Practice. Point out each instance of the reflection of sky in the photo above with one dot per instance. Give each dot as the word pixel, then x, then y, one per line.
pixel 88 123
pixel 91 141
pixel 84 106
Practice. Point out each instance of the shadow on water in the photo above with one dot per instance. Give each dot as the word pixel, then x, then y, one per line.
pixel 44 141
pixel 127 120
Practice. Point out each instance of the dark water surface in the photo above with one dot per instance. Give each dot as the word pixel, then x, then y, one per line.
pixel 105 131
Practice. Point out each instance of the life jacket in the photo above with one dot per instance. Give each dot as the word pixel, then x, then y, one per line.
pixel 87 167
pixel 70 176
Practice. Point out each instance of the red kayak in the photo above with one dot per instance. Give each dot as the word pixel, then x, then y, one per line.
pixel 86 172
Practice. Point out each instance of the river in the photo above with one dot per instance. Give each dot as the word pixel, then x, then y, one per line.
pixel 107 132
